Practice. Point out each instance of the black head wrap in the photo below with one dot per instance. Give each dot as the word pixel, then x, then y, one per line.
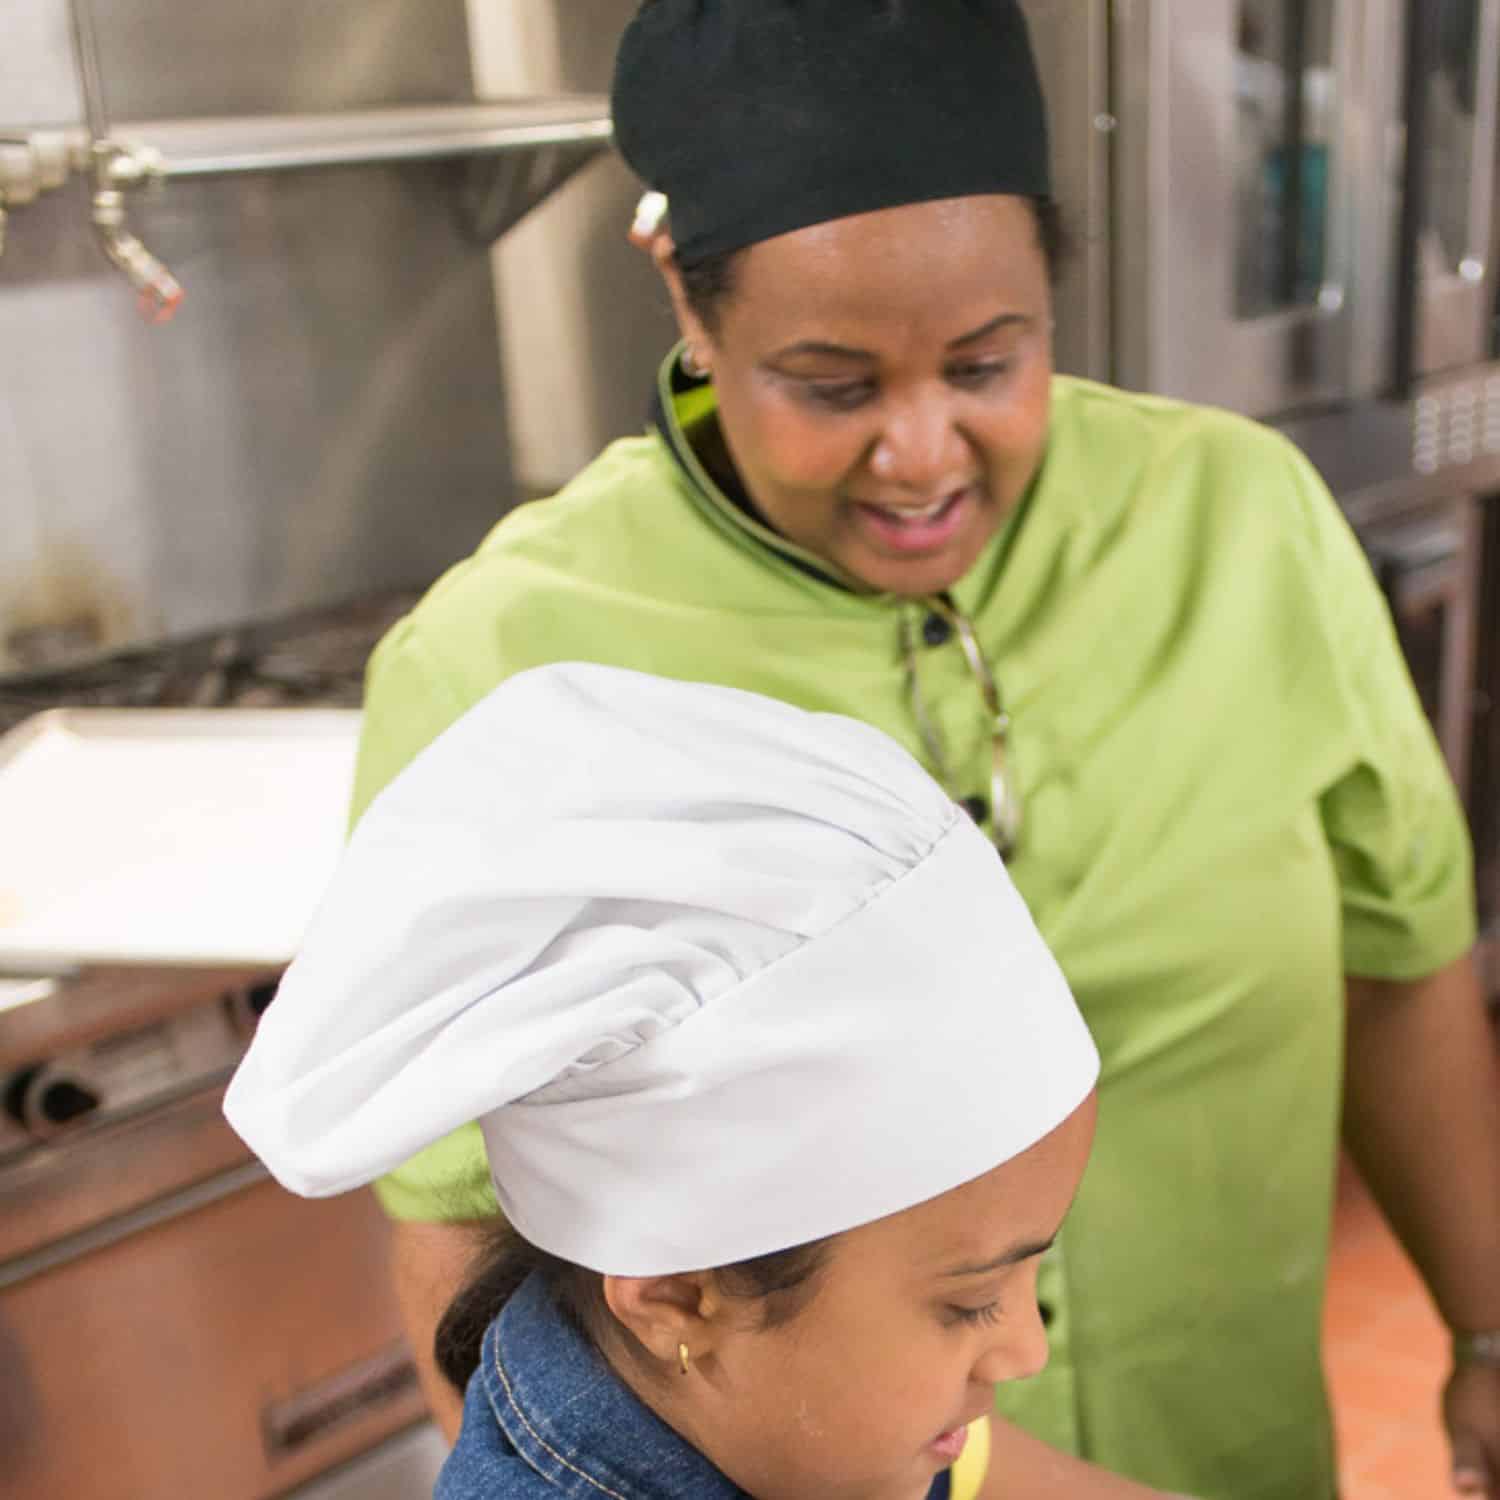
pixel 757 117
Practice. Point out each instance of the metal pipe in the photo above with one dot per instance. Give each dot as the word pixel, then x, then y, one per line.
pixel 159 293
pixel 35 162
pixel 157 150
pixel 222 147
pixel 158 290
pixel 86 53
pixel 566 130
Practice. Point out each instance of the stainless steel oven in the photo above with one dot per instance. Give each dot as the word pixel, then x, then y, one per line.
pixel 172 1322
pixel 1238 276
pixel 1445 276
pixel 1283 205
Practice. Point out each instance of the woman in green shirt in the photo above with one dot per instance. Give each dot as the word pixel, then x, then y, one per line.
pixel 1133 637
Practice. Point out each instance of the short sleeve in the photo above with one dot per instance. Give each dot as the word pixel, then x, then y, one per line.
pixel 1393 819
pixel 447 1183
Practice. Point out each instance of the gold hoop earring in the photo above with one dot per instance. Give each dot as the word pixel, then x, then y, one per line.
pixel 684 1359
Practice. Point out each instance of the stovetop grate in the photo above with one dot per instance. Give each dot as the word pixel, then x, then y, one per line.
pixel 316 659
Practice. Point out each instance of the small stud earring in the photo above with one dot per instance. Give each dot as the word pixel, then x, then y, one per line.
pixel 684 1359
pixel 692 365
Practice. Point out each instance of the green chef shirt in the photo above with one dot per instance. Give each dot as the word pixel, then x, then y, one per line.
pixel 1232 800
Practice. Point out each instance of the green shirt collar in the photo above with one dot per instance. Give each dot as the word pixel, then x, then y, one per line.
pixel 682 404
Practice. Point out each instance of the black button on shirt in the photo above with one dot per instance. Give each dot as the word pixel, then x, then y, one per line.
pixel 936 631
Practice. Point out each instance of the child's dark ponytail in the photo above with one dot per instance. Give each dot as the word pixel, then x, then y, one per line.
pixel 784 1281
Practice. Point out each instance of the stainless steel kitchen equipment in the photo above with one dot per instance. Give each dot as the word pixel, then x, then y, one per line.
pixel 1236 120
pixel 1427 561
pixel 1285 204
pixel 325 416
pixel 189 510
pixel 1288 208
pixel 1445 271
pixel 171 1322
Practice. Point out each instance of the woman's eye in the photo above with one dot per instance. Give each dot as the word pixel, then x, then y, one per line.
pixel 975 1317
pixel 975 375
pixel 841 395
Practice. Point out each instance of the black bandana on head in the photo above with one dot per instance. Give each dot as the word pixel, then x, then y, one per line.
pixel 758 117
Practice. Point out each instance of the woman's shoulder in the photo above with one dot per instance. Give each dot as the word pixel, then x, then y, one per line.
pixel 629 525
pixel 589 536
pixel 631 476
pixel 1113 423
pixel 1120 454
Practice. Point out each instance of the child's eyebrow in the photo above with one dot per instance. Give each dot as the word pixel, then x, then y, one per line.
pixel 1017 1253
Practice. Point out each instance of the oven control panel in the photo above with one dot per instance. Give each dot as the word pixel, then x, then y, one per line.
pixel 122 1074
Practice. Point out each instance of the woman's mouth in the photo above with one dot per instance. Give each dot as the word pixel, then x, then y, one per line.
pixel 949 1445
pixel 915 529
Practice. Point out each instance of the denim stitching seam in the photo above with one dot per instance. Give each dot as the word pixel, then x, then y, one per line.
pixel 573 1468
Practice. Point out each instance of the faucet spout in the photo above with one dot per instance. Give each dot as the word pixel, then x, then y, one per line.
pixel 159 293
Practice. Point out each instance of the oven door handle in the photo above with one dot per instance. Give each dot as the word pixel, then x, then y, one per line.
pixel 1486 114
pixel 174 1205
pixel 1421 50
pixel 1424 48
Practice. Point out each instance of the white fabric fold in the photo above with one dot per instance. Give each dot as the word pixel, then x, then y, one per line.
pixel 716 975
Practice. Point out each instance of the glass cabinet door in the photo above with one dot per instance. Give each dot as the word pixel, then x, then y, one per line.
pixel 1235 192
pixel 1456 95
pixel 1285 104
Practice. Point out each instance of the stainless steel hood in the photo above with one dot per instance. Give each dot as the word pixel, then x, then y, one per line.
pixel 324 418
pixel 516 151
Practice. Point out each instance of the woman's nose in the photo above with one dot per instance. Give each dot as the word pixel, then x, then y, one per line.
pixel 1019 1350
pixel 921 447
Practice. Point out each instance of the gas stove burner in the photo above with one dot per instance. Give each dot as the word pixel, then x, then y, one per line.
pixel 311 660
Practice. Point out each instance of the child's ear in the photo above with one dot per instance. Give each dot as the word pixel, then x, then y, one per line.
pixel 676 1319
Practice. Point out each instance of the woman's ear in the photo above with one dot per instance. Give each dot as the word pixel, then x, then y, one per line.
pixel 675 1318
pixel 689 325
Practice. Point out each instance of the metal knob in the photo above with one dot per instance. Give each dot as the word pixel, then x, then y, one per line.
pixel 63 1100
pixel 44 1100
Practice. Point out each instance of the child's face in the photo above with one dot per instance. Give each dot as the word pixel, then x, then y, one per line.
pixel 915 1320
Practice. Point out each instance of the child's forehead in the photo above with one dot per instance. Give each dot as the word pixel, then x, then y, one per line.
pixel 1004 1217
pixel 965 1227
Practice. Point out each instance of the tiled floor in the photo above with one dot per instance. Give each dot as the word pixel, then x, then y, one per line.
pixel 1387 1355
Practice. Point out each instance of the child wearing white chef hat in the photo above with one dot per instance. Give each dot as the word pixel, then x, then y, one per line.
pixel 783 1095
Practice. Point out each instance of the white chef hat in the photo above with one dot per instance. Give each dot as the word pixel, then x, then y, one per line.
pixel 716 975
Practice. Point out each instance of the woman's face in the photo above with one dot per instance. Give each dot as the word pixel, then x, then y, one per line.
pixel 883 382
pixel 914 1321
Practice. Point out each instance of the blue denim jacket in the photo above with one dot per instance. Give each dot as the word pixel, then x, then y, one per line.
pixel 545 1417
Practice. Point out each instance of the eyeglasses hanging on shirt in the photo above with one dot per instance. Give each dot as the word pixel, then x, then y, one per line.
pixel 1005 801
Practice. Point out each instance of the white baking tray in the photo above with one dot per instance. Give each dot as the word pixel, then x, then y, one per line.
pixel 194 836
pixel 17 990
